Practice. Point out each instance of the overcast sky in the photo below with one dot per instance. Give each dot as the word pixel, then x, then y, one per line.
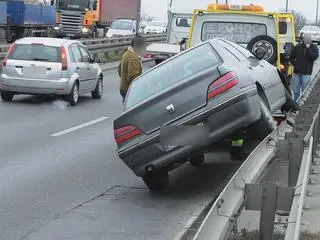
pixel 158 8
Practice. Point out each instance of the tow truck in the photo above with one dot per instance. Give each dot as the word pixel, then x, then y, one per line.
pixel 249 26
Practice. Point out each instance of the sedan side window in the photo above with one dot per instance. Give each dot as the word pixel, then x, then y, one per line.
pixel 76 54
pixel 85 55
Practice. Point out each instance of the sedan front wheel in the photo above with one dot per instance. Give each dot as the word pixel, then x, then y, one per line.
pixel 6 96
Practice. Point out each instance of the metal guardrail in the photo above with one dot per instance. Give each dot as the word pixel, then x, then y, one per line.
pixel 224 212
pixel 311 139
pixel 105 44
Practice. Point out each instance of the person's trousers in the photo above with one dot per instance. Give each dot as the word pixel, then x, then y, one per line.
pixel 123 95
pixel 299 84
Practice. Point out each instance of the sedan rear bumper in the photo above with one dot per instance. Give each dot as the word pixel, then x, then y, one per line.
pixel 35 86
pixel 223 120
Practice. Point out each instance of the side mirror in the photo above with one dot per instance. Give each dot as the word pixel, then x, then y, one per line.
pixel 260 53
pixel 288 48
pixel 52 2
pixel 94 6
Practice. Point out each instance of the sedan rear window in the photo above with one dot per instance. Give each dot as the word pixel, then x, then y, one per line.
pixel 172 72
pixel 36 52
pixel 233 31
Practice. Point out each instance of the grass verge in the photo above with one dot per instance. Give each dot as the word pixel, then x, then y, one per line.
pixel 254 235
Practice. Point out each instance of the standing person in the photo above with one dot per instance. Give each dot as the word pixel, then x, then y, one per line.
pixel 131 66
pixel 302 58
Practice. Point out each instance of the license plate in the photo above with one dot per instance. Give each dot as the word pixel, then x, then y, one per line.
pixel 34 72
pixel 160 57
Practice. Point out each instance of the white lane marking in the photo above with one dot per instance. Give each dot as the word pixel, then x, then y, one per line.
pixel 75 128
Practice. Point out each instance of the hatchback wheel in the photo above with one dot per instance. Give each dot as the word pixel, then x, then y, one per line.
pixel 6 96
pixel 156 181
pixel 197 160
pixel 98 91
pixel 74 95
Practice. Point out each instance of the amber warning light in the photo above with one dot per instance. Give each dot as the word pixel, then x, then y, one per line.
pixel 248 8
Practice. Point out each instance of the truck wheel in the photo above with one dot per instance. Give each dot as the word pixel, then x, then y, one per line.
pixel 268 43
pixel 6 96
pixel 196 160
pixel 156 181
pixel 158 61
pixel 263 127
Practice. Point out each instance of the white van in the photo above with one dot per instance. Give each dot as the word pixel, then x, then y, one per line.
pixel 122 27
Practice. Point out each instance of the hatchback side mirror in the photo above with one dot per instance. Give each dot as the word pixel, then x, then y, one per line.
pixel 183 44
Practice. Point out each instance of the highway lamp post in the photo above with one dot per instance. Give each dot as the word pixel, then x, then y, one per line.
pixel 317 12
pixel 287 5
pixel 138 17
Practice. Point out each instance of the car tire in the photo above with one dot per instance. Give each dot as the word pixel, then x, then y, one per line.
pixel 98 91
pixel 158 61
pixel 156 181
pixel 196 160
pixel 267 41
pixel 6 96
pixel 263 127
pixel 73 96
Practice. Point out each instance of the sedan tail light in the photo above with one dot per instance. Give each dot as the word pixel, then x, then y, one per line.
pixel 222 84
pixel 64 58
pixel 10 51
pixel 126 133
pixel 148 55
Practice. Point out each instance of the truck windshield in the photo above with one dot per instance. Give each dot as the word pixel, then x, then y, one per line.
pixel 122 25
pixel 233 31
pixel 73 4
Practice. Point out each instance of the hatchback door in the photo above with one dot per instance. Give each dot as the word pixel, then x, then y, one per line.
pixel 172 90
pixel 90 70
pixel 34 61
pixel 80 67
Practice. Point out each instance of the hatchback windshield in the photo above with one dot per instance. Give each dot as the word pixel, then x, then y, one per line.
pixel 37 52
pixel 176 70
pixel 122 25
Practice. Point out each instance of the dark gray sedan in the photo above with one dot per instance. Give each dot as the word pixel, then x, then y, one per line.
pixel 178 110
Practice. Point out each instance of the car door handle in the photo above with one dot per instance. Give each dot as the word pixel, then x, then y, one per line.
pixel 251 68
pixel 88 68
pixel 78 68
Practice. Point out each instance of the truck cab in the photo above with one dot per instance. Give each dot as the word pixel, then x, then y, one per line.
pixel 179 22
pixel 249 26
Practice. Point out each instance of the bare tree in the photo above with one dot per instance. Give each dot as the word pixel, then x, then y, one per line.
pixel 146 17
pixel 299 19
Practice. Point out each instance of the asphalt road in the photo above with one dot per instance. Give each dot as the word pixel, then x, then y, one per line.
pixel 52 166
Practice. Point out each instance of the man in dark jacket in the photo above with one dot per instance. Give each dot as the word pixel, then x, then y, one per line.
pixel 131 67
pixel 302 58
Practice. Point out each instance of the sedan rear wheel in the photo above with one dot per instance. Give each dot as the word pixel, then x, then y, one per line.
pixel 6 96
pixel 156 181
pixel 98 91
pixel 74 95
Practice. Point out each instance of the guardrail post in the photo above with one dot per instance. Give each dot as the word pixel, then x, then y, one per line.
pixel 296 148
pixel 267 198
pixel 268 211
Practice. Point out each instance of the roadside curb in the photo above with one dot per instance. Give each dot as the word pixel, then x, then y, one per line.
pixel 116 65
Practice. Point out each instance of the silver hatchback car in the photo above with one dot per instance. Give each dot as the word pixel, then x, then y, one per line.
pixel 50 66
